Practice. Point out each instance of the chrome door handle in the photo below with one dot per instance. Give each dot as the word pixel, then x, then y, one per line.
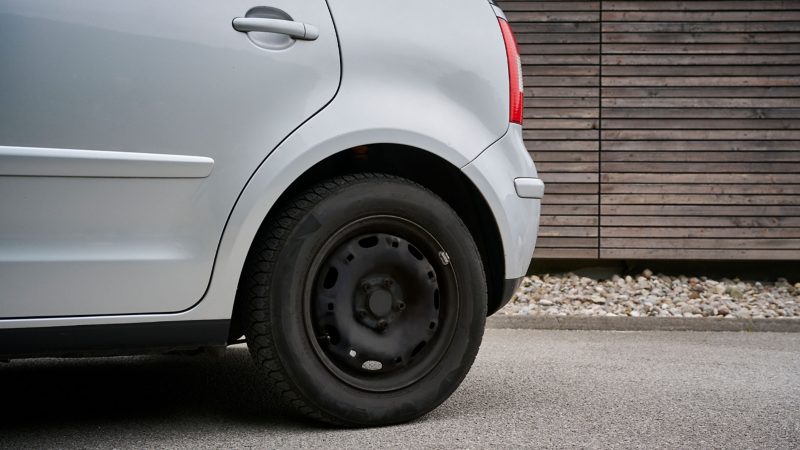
pixel 297 30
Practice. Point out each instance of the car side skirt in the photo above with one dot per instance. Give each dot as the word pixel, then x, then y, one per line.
pixel 113 339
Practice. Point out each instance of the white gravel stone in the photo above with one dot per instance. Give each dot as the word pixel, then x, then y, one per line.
pixel 654 295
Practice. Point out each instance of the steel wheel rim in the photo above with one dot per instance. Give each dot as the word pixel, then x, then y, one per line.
pixel 386 317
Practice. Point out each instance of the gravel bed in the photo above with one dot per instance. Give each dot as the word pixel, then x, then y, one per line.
pixel 654 295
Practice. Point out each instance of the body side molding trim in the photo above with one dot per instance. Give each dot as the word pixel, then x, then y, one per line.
pixel 57 162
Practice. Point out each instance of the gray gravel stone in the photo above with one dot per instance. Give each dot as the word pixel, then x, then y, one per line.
pixel 654 296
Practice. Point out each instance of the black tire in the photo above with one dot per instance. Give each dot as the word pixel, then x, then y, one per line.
pixel 302 343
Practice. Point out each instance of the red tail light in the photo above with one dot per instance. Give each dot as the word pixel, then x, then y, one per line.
pixel 516 93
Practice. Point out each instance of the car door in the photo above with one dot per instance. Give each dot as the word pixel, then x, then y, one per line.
pixel 127 131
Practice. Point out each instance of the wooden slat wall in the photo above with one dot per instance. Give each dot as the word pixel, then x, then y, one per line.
pixel 559 42
pixel 700 140
pixel 664 129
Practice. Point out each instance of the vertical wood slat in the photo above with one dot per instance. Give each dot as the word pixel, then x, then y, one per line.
pixel 559 44
pixel 699 136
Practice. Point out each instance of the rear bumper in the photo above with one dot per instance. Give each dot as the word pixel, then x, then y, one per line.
pixel 507 178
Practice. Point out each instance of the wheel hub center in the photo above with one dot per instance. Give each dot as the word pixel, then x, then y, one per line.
pixel 380 302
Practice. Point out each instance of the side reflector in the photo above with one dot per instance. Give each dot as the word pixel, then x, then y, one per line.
pixel 516 93
pixel 529 187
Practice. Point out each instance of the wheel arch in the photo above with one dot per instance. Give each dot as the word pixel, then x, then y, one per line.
pixel 430 171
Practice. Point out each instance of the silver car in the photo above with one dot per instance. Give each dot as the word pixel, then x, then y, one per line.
pixel 341 184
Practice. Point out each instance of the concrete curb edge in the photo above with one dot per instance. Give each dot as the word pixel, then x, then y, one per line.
pixel 640 323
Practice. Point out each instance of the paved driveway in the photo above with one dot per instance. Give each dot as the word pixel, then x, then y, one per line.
pixel 537 389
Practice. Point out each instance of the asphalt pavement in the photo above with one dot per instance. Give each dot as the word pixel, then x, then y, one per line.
pixel 528 389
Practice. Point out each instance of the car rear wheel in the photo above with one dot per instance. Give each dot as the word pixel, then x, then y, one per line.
pixel 364 300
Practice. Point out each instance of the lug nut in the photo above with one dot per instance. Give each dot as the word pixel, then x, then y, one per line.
pixel 388 282
pixel 383 325
pixel 362 313
pixel 365 286
pixel 400 305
